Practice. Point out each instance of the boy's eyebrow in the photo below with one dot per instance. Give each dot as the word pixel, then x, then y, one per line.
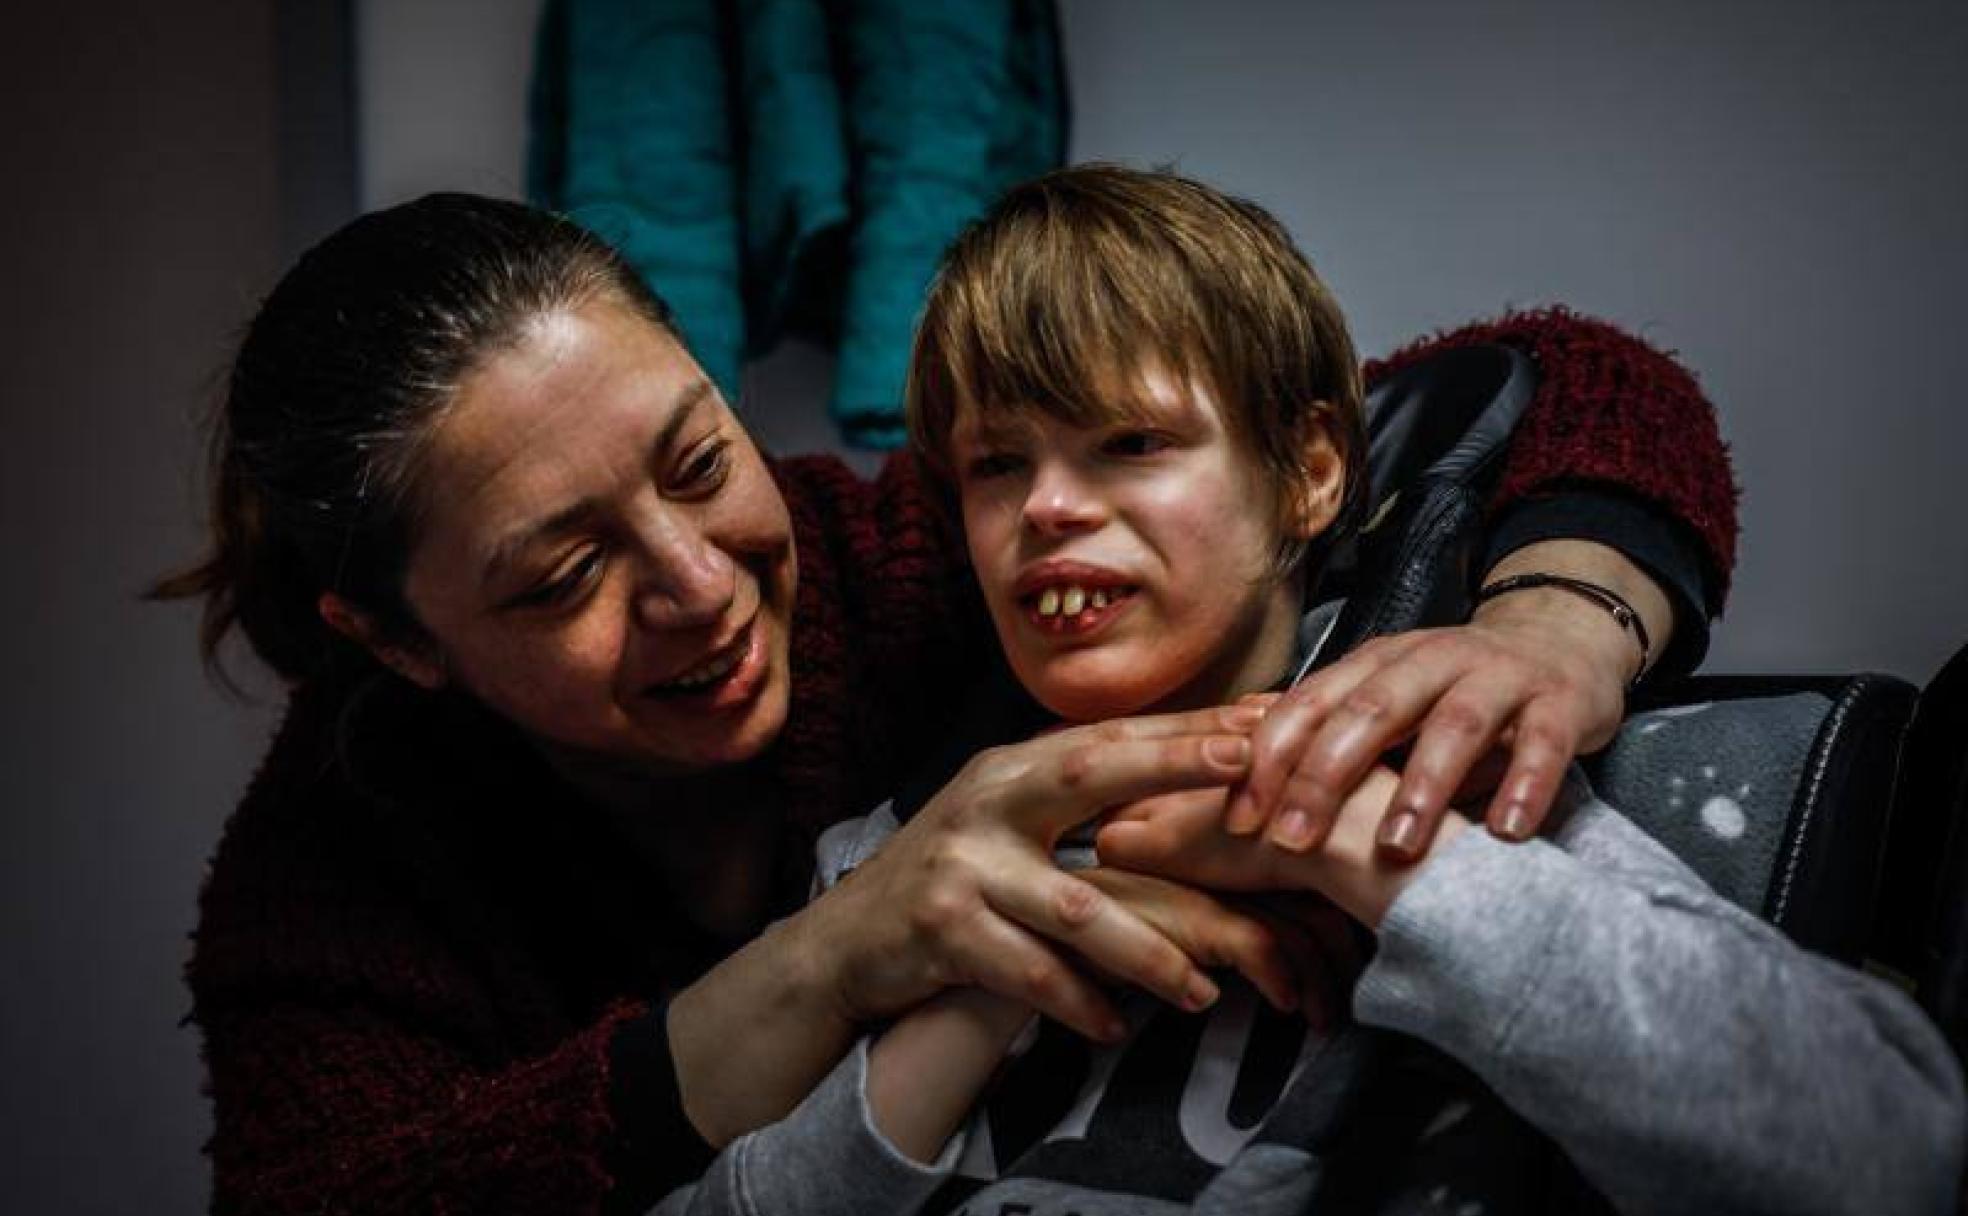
pixel 506 551
pixel 987 426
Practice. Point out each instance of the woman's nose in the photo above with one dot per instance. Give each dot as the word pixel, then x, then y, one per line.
pixel 1061 502
pixel 689 580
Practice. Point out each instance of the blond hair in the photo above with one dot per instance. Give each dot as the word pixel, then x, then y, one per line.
pixel 1072 285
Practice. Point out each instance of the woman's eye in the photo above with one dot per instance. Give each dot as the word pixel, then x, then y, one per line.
pixel 1134 443
pixel 991 464
pixel 565 583
pixel 705 468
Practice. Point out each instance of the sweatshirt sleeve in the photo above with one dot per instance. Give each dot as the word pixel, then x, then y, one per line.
pixel 1610 412
pixel 825 1157
pixel 1685 1055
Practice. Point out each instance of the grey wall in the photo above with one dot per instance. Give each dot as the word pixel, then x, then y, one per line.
pixel 140 219
pixel 1768 188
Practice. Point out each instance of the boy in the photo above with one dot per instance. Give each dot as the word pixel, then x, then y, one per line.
pixel 1147 410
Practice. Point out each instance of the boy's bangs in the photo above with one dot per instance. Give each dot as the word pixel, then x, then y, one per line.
pixel 1068 329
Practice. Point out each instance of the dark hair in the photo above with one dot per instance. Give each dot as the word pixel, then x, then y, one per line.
pixel 336 388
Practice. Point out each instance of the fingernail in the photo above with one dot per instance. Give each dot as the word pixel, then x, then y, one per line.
pixel 1244 717
pixel 1229 753
pixel 1293 829
pixel 1201 993
pixel 1516 822
pixel 1401 832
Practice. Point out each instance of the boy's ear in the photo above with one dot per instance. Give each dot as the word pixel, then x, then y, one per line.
pixel 413 663
pixel 1319 489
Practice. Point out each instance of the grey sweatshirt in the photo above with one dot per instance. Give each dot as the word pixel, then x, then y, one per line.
pixel 1682 1055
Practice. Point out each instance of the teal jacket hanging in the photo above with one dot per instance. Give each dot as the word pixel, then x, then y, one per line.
pixel 793 166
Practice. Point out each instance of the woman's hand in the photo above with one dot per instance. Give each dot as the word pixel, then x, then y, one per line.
pixel 1181 838
pixel 967 892
pixel 1535 678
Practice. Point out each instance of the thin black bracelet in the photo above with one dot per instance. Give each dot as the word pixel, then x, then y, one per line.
pixel 1622 612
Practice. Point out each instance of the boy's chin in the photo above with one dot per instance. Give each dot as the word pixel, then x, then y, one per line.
pixel 1092 697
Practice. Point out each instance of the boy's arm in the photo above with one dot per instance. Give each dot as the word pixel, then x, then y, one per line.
pixel 832 1155
pixel 1684 1054
pixel 926 1071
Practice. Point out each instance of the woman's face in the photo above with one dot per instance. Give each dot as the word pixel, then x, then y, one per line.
pixel 602 557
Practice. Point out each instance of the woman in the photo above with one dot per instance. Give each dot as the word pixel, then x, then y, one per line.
pixel 577 677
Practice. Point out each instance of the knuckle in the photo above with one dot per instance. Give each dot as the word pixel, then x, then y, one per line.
pixel 1459 718
pixel 1041 982
pixel 1541 738
pixel 939 913
pixel 1076 903
pixel 1109 732
pixel 1370 703
pixel 1075 768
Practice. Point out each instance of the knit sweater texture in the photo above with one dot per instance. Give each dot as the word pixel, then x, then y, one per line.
pixel 416 945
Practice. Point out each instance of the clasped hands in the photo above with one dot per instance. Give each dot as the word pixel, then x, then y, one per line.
pixel 1287 795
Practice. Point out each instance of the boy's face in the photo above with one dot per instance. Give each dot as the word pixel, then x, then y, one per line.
pixel 1129 565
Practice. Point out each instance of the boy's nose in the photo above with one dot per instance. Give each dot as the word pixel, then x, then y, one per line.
pixel 1060 503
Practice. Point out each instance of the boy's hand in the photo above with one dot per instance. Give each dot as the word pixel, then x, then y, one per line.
pixel 1181 837
pixel 1534 679
pixel 1211 932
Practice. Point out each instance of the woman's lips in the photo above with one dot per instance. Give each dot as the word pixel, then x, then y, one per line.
pixel 728 678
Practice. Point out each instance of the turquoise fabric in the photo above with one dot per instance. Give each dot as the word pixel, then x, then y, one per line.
pixel 793 166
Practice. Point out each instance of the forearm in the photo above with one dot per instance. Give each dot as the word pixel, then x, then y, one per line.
pixel 825 1158
pixel 774 997
pixel 925 1072
pixel 1575 622
pixel 1609 410
pixel 1683 1053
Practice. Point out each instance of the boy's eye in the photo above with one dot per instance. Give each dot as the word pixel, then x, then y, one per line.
pixel 992 464
pixel 1134 443
pixel 704 469
pixel 565 583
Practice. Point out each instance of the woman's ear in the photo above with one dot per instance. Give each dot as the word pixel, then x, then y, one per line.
pixel 414 664
pixel 1319 488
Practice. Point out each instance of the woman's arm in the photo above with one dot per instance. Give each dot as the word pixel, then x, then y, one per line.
pixel 1611 416
pixel 1685 1055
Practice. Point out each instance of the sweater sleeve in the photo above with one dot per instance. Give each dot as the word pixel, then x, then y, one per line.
pixel 1613 412
pixel 826 1157
pixel 325 1107
pixel 1684 1054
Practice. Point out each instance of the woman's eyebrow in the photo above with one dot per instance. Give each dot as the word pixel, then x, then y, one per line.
pixel 506 551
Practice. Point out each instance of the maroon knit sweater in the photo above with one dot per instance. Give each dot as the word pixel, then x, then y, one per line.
pixel 415 946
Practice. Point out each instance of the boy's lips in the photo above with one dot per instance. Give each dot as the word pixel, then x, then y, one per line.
pixel 1071 599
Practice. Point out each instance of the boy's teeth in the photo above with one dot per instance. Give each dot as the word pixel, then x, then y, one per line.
pixel 1071 601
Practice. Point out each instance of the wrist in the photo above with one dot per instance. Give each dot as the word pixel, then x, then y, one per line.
pixel 1593 563
pixel 1578 628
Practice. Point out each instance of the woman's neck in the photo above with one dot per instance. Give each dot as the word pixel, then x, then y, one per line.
pixel 712 839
